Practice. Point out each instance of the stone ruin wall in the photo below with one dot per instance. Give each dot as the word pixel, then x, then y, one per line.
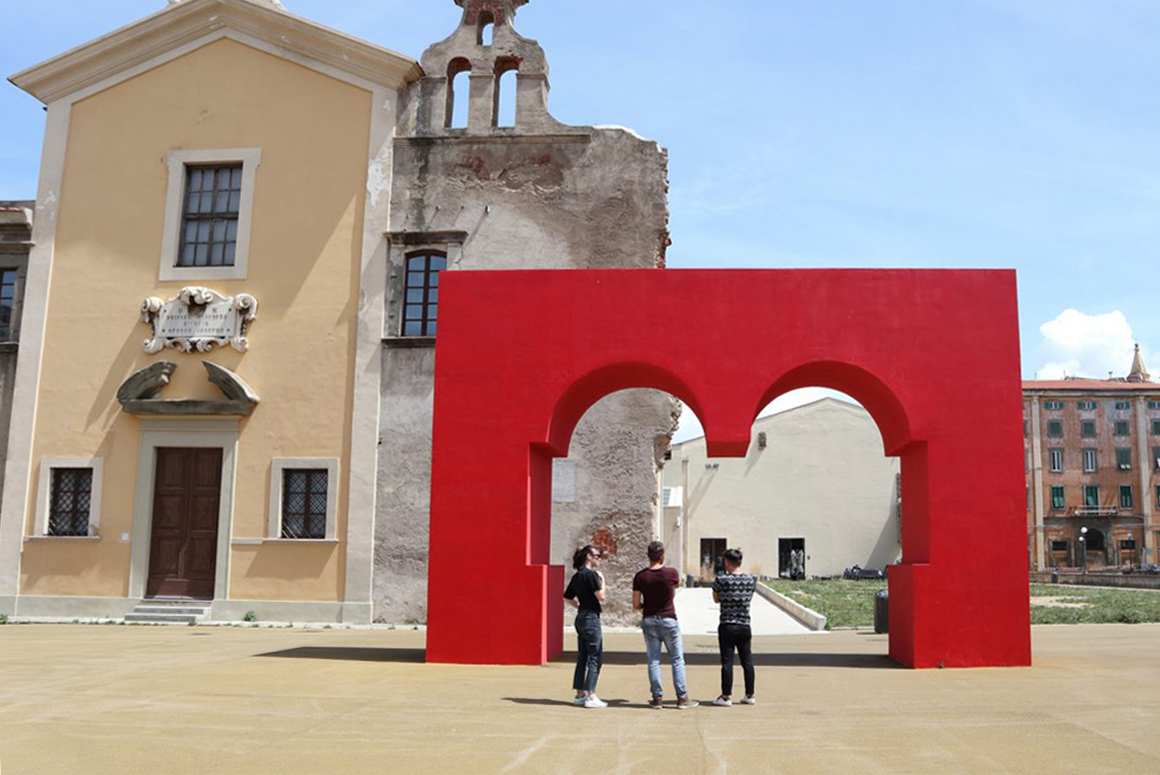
pixel 539 195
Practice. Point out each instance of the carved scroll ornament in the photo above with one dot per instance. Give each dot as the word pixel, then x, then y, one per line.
pixel 198 320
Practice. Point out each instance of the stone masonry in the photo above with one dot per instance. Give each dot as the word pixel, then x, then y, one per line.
pixel 535 195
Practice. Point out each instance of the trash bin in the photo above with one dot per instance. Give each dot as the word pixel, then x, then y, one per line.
pixel 881 611
pixel 689 581
pixel 1055 575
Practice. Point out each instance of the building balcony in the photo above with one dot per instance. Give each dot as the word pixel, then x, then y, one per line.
pixel 1094 511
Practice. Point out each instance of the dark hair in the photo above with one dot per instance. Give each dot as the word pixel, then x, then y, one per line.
pixel 656 551
pixel 733 557
pixel 581 556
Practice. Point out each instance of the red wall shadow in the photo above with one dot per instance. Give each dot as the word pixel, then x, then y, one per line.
pixel 933 356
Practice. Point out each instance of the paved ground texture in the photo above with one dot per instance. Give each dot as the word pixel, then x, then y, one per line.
pixel 109 699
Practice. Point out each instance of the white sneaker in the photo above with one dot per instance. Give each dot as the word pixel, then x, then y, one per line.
pixel 748 700
pixel 592 701
pixel 723 702
pixel 578 701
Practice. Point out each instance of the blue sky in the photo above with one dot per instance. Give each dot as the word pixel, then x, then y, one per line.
pixel 829 133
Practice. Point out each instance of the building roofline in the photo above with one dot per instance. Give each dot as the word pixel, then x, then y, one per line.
pixel 1089 386
pixel 181 23
pixel 811 405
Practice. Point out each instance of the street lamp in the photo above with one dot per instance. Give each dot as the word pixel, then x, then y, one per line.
pixel 1083 548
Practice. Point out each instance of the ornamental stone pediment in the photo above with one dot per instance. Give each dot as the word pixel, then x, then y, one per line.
pixel 199 319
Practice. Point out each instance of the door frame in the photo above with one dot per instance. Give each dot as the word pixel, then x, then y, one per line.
pixel 177 432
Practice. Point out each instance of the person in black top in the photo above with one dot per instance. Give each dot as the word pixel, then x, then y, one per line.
pixel 585 592
pixel 734 591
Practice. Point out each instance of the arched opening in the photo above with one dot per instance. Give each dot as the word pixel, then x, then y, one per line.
pixel 606 492
pixel 1091 548
pixel 506 92
pixel 486 28
pixel 458 93
pixel 814 498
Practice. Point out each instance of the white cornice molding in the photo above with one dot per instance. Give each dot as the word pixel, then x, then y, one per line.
pixel 188 21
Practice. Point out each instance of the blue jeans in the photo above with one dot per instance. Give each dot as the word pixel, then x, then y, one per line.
pixel 589 651
pixel 658 629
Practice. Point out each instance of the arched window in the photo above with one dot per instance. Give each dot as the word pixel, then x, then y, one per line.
pixel 504 113
pixel 421 293
pixel 458 93
pixel 486 28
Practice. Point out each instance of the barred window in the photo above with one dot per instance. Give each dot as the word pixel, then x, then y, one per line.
pixel 72 490
pixel 304 502
pixel 421 293
pixel 209 227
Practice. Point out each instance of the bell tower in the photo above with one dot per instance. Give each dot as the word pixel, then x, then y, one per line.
pixel 482 50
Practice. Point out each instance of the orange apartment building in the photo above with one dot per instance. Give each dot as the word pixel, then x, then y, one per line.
pixel 1092 452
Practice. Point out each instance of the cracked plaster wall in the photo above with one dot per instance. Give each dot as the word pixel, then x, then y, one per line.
pixel 538 195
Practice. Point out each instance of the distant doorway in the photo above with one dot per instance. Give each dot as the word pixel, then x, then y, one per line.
pixel 791 558
pixel 186 501
pixel 712 558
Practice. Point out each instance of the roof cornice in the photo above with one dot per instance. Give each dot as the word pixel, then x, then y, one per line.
pixel 186 22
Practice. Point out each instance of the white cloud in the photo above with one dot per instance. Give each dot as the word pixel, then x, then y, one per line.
pixel 690 425
pixel 1082 345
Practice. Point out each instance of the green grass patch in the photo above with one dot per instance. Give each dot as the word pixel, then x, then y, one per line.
pixel 851 603
pixel 1068 604
pixel 843 603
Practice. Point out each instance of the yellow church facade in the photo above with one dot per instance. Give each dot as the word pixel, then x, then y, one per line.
pixel 196 408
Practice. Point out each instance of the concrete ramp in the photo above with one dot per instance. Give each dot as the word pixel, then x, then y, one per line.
pixel 699 615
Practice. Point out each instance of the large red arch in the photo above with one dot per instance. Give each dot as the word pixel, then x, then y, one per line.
pixel 933 355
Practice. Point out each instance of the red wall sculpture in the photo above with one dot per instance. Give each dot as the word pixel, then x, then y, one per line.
pixel 932 355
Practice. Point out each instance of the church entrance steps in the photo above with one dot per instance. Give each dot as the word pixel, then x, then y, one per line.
pixel 152 611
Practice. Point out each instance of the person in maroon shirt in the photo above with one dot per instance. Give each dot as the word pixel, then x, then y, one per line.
pixel 653 590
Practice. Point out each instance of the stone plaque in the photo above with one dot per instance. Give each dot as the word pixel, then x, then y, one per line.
pixel 198 320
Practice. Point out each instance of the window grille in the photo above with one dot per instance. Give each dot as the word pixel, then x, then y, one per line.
pixel 304 502
pixel 421 293
pixel 72 490
pixel 209 226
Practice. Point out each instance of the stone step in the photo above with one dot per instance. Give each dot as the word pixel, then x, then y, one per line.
pixel 161 618
pixel 167 610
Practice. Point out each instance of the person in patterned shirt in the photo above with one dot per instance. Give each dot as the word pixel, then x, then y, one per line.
pixel 734 591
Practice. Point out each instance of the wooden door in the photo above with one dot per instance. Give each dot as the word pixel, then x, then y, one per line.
pixel 186 499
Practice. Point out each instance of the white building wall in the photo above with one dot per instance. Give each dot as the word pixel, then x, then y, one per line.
pixel 822 476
